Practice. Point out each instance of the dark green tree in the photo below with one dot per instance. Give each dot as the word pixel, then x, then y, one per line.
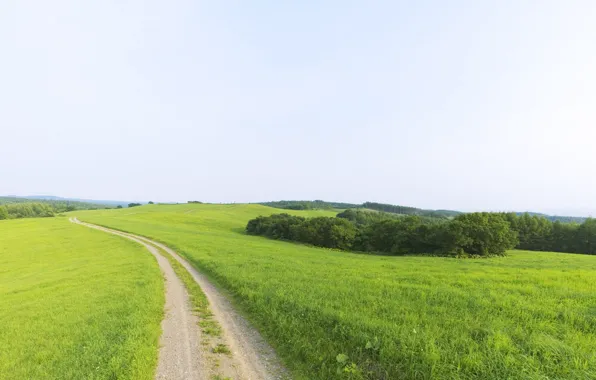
pixel 481 234
pixel 586 237
pixel 3 213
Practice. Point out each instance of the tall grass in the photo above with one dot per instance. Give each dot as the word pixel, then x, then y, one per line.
pixel 339 315
pixel 76 303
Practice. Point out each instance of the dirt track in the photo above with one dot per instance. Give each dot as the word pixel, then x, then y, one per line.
pixel 185 352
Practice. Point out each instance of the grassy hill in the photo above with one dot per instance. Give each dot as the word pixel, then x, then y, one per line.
pixel 340 315
pixel 76 303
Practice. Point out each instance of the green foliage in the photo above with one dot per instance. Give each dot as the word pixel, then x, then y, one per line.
pixel 586 237
pixel 363 217
pixel 278 226
pixel 326 232
pixel 387 208
pixel 134 205
pixel 410 210
pixel 406 235
pixel 29 210
pixel 3 213
pixel 150 202
pixel 76 303
pixel 57 205
pixel 538 233
pixel 529 316
pixel 308 205
pixel 481 234
pixel 17 208
pixel 221 349
pixel 552 218
pixel 119 206
pixel 320 231
pixel 472 234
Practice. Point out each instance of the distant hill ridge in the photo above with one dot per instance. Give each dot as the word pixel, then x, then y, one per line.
pixel 396 209
pixel 55 198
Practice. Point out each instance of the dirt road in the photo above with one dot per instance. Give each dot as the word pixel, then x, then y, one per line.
pixel 185 352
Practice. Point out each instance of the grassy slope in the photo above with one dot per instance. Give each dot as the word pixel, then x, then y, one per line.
pixel 530 315
pixel 76 303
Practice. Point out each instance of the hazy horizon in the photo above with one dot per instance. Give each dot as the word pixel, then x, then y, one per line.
pixel 465 106
pixel 552 212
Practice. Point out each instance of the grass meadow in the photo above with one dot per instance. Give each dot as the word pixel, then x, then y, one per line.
pixel 76 303
pixel 341 315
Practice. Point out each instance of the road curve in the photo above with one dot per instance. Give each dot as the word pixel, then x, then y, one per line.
pixel 180 355
pixel 251 357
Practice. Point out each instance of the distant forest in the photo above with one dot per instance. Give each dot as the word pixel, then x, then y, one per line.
pixel 309 205
pixel 388 208
pixel 396 209
pixel 16 208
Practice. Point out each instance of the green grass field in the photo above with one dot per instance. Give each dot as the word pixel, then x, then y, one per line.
pixel 341 315
pixel 76 303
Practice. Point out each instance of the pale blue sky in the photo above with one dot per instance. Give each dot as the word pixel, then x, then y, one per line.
pixel 469 105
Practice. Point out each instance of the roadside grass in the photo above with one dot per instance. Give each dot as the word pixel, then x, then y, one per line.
pixel 339 315
pixel 209 326
pixel 198 300
pixel 76 303
pixel 221 349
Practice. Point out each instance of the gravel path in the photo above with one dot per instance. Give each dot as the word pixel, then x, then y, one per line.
pixel 182 356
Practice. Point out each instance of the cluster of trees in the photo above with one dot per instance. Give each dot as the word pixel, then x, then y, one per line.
pixel 15 207
pixel 57 206
pixel 134 204
pixel 26 210
pixel 537 233
pixel 477 234
pixel 396 209
pixel 321 231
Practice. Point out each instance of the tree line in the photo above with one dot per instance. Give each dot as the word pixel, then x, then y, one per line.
pixel 471 234
pixel 554 218
pixel 56 205
pixel 26 210
pixel 474 234
pixel 309 205
pixel 16 208
pixel 537 233
pixel 387 208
